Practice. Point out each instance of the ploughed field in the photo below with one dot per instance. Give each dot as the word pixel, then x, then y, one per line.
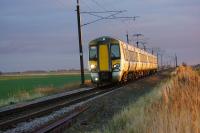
pixel 17 88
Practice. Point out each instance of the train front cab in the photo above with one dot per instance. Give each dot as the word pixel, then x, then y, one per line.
pixel 104 60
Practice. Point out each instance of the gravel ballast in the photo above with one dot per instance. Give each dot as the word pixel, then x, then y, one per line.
pixel 103 109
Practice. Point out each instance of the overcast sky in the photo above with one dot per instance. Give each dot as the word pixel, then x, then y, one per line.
pixel 42 34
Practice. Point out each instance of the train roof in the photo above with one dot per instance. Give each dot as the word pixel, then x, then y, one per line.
pixel 106 39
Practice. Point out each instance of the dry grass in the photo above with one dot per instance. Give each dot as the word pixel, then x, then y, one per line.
pixel 178 112
pixel 51 90
pixel 77 85
pixel 173 107
pixel 20 97
pixel 45 90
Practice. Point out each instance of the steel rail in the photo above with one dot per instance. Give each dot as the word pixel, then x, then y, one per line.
pixel 65 121
pixel 44 111
pixel 72 99
pixel 23 107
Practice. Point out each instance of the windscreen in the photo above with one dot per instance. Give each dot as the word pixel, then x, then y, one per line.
pixel 115 51
pixel 93 52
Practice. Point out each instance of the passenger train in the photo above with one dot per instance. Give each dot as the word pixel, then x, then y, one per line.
pixel 112 60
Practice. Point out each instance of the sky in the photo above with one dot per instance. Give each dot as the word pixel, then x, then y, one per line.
pixel 42 34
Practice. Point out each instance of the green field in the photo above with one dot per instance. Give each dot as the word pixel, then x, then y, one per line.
pixel 13 88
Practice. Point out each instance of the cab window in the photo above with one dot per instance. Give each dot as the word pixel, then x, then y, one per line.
pixel 115 51
pixel 93 52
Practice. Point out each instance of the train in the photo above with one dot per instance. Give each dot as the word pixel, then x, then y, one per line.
pixel 112 60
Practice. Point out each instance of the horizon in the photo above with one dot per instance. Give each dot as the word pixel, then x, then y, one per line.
pixel 42 35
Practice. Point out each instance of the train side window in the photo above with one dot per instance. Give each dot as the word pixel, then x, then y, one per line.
pixel 93 52
pixel 115 51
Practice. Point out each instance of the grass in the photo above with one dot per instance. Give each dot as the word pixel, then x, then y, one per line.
pixel 25 87
pixel 172 107
pixel 180 106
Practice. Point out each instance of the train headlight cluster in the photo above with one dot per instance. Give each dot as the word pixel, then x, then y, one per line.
pixel 92 66
pixel 96 79
pixel 116 66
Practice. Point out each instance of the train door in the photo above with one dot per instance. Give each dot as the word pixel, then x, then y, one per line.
pixel 103 57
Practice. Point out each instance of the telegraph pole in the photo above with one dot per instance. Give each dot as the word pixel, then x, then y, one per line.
pixel 111 16
pixel 80 43
pixel 137 42
pixel 143 43
pixel 144 48
pixel 161 61
pixel 127 38
pixel 157 60
pixel 176 60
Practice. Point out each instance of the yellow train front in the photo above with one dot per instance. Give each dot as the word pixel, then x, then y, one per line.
pixel 111 60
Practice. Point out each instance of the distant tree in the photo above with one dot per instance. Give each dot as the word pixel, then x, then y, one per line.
pixel 1 73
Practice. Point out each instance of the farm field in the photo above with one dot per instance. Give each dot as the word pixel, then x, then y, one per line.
pixel 22 87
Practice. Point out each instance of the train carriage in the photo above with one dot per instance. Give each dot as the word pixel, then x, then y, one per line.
pixel 111 60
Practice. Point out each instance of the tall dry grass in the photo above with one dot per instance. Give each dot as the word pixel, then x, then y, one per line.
pixel 171 107
pixel 179 109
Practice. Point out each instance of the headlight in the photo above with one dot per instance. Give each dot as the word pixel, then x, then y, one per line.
pixel 116 66
pixel 92 66
pixel 96 79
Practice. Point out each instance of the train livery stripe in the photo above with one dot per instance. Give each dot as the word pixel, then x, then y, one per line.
pixel 103 57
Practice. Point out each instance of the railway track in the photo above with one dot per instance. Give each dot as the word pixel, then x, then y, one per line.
pixel 9 118
pixel 60 124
